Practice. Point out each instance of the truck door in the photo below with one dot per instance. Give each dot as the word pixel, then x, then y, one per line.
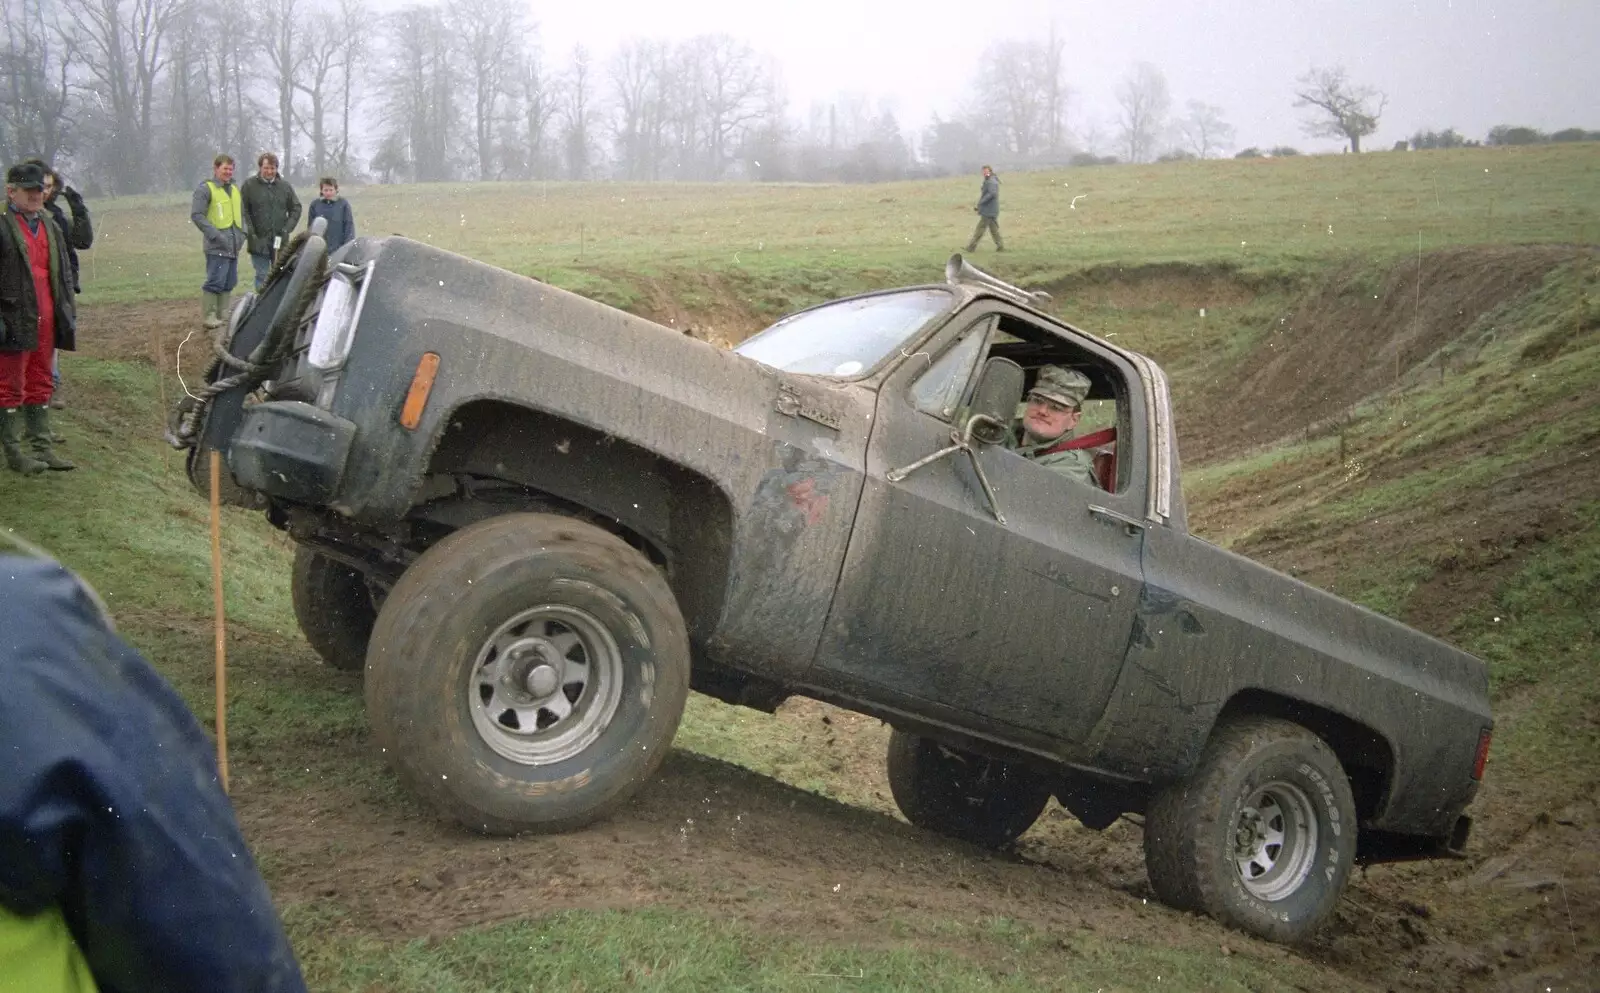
pixel 1023 624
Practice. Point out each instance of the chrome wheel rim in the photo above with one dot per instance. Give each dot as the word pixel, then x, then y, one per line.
pixel 545 684
pixel 1275 841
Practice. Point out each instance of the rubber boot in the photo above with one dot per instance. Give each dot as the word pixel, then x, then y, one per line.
pixel 210 310
pixel 38 420
pixel 11 440
pixel 224 308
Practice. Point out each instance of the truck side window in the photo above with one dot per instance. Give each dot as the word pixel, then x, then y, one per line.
pixel 939 391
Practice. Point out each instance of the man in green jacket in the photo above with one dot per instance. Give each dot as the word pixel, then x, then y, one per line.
pixel 988 210
pixel 38 314
pixel 217 210
pixel 271 210
pixel 1045 435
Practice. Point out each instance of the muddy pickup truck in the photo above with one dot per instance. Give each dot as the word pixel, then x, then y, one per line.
pixel 536 522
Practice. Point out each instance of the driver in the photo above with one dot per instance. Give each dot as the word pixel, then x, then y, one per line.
pixel 1044 433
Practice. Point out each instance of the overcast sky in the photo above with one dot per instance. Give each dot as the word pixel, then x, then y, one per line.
pixel 1469 64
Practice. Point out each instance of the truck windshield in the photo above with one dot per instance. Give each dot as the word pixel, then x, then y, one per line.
pixel 847 338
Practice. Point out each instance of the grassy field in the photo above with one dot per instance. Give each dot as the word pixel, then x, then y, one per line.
pixel 786 246
pixel 1468 504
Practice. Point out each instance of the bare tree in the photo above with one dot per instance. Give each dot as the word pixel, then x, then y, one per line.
pixel 638 91
pixel 1021 98
pixel 577 98
pixel 490 37
pixel 286 52
pixel 732 88
pixel 34 66
pixel 353 20
pixel 1145 101
pixel 123 44
pixel 227 66
pixel 324 51
pixel 1204 130
pixel 1340 108
pixel 1050 67
pixel 538 100
pixel 419 90
pixel 192 110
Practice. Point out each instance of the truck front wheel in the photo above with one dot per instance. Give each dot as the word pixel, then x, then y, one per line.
pixel 527 673
pixel 334 608
pixel 961 795
pixel 1261 836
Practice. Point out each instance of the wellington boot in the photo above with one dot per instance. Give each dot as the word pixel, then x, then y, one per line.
pixel 211 310
pixel 39 436
pixel 11 440
pixel 224 308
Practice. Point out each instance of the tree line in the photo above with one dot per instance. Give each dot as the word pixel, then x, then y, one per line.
pixel 137 96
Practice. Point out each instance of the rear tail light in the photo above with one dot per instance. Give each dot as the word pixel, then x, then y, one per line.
pixel 1482 758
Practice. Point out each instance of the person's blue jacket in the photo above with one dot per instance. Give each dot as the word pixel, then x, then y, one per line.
pixel 111 808
pixel 341 221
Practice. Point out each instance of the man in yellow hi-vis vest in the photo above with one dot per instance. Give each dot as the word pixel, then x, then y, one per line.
pixel 217 211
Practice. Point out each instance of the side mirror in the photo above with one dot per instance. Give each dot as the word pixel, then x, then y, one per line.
pixel 994 401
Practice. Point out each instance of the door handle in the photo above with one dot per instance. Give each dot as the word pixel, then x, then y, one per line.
pixel 1133 524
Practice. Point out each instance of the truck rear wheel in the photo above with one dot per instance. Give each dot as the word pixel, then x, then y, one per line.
pixel 334 608
pixel 1261 836
pixel 527 673
pixel 961 795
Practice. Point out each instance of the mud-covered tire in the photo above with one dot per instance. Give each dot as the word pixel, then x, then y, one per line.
pixel 334 606
pixel 961 795
pixel 527 673
pixel 1261 836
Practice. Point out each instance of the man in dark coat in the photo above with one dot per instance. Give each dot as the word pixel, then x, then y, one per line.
pixel 119 853
pixel 80 238
pixel 271 210
pixel 38 313
pixel 988 209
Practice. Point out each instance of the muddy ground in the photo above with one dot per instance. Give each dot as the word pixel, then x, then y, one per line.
pixel 718 839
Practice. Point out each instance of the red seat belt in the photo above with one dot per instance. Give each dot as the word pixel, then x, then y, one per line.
pixel 1104 436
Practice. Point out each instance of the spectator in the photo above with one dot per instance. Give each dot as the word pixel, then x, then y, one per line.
pixel 341 222
pixel 37 313
pixel 121 864
pixel 80 238
pixel 271 210
pixel 216 209
pixel 988 209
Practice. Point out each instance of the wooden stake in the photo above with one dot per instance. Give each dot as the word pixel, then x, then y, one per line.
pixel 161 386
pixel 221 623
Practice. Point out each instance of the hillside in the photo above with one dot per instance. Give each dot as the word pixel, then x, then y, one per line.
pixel 1417 432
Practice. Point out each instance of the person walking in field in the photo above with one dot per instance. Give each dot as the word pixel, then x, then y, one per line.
pixel 341 221
pixel 988 209
pixel 38 313
pixel 271 210
pixel 218 211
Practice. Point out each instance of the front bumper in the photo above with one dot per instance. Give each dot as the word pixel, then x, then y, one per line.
pixel 291 450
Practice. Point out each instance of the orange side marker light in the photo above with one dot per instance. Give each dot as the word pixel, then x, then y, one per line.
pixel 1482 758
pixel 417 396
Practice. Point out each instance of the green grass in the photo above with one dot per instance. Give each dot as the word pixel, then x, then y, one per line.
pixel 668 951
pixel 131 524
pixel 791 245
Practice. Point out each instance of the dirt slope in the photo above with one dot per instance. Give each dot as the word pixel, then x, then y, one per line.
pixel 1356 335
pixel 722 840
